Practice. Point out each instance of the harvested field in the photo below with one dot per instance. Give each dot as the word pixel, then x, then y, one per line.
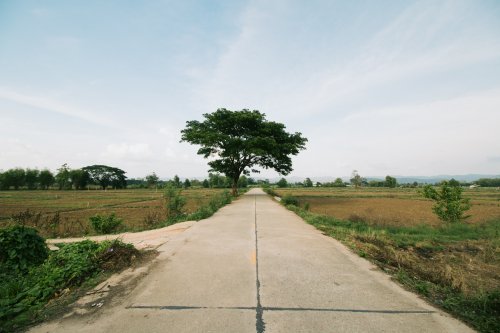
pixel 75 207
pixel 392 207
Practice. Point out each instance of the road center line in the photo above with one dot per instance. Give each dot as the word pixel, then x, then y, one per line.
pixel 260 326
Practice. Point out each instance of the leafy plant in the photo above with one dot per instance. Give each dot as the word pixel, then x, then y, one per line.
pixel 175 202
pixel 21 248
pixel 290 200
pixel 105 224
pixel 449 205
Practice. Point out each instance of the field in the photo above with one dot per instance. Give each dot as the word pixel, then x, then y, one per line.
pixel 455 266
pixel 390 207
pixel 136 207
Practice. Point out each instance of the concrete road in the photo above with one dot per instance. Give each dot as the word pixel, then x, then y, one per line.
pixel 257 267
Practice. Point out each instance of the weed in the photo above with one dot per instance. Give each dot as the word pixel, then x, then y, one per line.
pixel 105 224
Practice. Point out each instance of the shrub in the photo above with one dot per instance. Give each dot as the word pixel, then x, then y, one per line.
pixel 21 248
pixel 105 224
pixel 449 205
pixel 290 200
pixel 175 202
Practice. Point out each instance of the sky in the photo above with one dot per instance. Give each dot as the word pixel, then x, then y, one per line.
pixel 381 87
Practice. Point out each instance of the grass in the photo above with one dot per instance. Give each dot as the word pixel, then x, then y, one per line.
pixel 456 267
pixel 67 213
pixel 25 294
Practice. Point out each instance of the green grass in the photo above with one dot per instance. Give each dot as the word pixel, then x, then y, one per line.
pixel 24 294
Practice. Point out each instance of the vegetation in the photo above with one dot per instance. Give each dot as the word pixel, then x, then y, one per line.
pixel 21 248
pixel 488 182
pixel 241 140
pixel 454 265
pixel 24 293
pixel 106 176
pixel 106 224
pixel 449 205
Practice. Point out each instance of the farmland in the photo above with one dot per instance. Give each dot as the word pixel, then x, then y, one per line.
pixel 455 266
pixel 390 207
pixel 74 208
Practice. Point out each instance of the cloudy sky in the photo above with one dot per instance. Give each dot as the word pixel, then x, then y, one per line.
pixel 384 87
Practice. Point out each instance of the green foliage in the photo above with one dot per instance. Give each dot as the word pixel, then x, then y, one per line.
pixel 62 178
pixel 152 180
pixel 242 182
pixel 187 183
pixel 216 202
pixel 449 205
pixel 290 200
pixel 21 248
pixel 241 140
pixel 105 224
pixel 488 182
pixel 206 184
pixel 106 176
pixel 31 178
pixel 175 202
pixel 282 183
pixel 22 295
pixel 46 179
pixel 308 182
pixel 79 178
pixel 391 182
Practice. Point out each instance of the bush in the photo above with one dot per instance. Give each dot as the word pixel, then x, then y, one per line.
pixel 290 200
pixel 21 295
pixel 175 202
pixel 105 224
pixel 21 248
pixel 449 205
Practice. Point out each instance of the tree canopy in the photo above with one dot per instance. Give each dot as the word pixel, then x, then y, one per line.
pixel 105 176
pixel 238 141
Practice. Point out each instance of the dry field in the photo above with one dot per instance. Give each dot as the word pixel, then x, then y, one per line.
pixel 391 207
pixel 75 207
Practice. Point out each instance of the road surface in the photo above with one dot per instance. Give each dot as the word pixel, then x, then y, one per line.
pixel 257 267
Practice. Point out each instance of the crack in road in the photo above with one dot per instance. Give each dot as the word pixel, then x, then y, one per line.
pixel 260 326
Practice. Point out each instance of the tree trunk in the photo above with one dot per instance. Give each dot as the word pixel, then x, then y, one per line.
pixel 234 189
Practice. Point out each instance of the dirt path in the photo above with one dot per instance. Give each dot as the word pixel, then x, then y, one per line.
pixel 257 267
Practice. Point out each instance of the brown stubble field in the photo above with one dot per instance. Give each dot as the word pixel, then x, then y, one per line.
pixel 390 207
pixel 75 207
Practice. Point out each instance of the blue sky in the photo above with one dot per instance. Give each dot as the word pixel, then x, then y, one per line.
pixel 383 87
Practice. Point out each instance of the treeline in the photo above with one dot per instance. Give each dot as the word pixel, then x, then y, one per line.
pixel 64 179
pixel 214 180
pixel 356 181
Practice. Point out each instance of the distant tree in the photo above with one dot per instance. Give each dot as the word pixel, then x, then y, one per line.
pixel 251 181
pixel 217 180
pixel 15 177
pixel 195 183
pixel 206 184
pixel 176 181
pixel 488 182
pixel 240 140
pixel 46 179
pixel 308 182
pixel 187 183
pixel 449 205
pixel 31 178
pixel 356 179
pixel 282 183
pixel 318 184
pixel 106 176
pixel 63 179
pixel 242 182
pixel 390 181
pixel 152 180
pixel 454 182
pixel 3 184
pixel 338 182
pixel 79 178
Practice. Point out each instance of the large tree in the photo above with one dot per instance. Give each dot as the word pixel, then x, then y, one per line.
pixel 238 141
pixel 105 176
